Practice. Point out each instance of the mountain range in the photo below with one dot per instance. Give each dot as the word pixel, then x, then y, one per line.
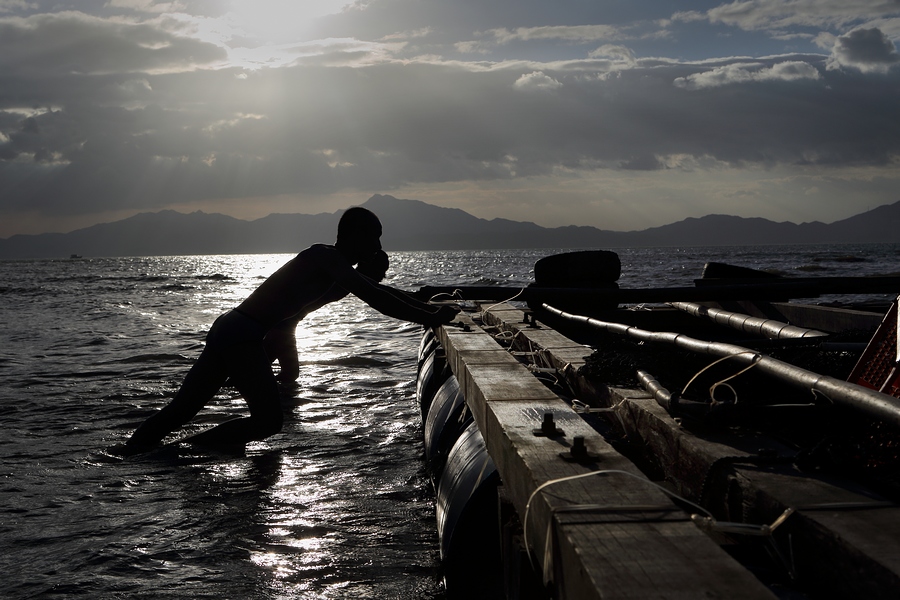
pixel 415 225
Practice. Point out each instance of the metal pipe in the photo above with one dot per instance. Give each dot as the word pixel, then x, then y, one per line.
pixel 870 402
pixel 662 396
pixel 797 287
pixel 769 328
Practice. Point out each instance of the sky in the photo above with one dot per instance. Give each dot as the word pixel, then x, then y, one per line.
pixel 620 114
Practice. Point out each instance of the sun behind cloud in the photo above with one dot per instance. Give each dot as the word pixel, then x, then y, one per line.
pixel 279 21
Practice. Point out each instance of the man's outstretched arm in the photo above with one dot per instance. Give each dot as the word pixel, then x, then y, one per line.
pixel 385 299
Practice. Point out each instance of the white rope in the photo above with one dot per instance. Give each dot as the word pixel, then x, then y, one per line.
pixel 485 310
pixel 580 407
pixel 712 389
pixel 548 545
pixel 456 295
pixel 705 521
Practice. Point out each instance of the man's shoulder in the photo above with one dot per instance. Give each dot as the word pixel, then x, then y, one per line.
pixel 318 251
pixel 319 248
pixel 323 256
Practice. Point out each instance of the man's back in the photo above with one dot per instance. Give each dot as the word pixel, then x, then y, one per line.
pixel 293 287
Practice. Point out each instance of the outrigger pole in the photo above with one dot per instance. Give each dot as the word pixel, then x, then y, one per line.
pixel 850 395
pixel 799 287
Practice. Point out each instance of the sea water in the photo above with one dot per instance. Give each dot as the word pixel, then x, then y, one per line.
pixel 338 505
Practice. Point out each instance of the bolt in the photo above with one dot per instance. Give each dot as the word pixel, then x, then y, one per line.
pixel 578 449
pixel 548 426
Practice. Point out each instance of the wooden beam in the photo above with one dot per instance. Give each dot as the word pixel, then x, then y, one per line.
pixel 849 552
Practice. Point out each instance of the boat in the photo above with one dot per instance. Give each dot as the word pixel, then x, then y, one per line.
pixel 721 440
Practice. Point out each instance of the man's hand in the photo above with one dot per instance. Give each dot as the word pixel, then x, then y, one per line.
pixel 444 314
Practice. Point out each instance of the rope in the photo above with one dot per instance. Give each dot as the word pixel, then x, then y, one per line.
pixel 456 295
pixel 712 388
pixel 705 521
pixel 485 310
pixel 580 407
pixel 548 545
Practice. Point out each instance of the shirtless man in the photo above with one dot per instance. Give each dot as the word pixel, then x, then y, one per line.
pixel 235 348
pixel 281 341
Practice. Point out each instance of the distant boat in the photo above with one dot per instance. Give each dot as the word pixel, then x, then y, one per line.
pixel 74 256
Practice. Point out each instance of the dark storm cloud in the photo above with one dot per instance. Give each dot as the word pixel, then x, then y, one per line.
pixel 865 49
pixel 110 113
pixel 379 126
pixel 81 44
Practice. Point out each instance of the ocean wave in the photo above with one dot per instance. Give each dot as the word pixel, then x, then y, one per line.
pixel 27 291
pixel 176 287
pixel 159 357
pixel 850 258
pixel 350 361
pixel 216 277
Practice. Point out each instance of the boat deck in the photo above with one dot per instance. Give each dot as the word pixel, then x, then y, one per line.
pixel 600 524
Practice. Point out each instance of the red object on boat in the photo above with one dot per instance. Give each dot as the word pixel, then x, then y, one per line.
pixel 879 366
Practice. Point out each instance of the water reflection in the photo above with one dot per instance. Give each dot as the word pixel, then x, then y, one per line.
pixel 338 504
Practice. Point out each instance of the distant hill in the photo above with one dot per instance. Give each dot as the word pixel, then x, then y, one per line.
pixel 415 225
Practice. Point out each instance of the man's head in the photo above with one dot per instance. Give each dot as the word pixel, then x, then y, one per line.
pixel 359 233
pixel 375 267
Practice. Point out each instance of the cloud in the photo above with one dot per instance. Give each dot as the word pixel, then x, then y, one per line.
pixel 688 16
pixel 7 6
pixel 572 33
pixel 473 47
pixel 536 80
pixel 748 73
pixel 76 43
pixel 613 51
pixel 868 50
pixel 150 6
pixel 408 35
pixel 778 14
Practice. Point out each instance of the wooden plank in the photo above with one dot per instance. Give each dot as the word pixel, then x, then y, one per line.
pixel 609 553
pixel 834 551
pixel 846 552
pixel 559 350
pixel 555 349
pixel 473 346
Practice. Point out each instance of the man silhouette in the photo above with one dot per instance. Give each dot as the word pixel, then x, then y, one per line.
pixel 235 347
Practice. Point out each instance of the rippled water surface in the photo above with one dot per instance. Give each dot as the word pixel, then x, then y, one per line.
pixel 336 506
